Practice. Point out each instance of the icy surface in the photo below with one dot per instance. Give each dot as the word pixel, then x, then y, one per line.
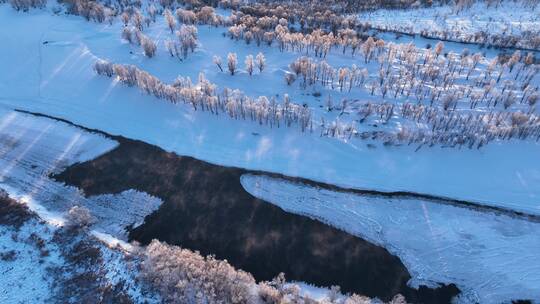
pixel 56 78
pixel 506 18
pixel 492 258
pixel 32 148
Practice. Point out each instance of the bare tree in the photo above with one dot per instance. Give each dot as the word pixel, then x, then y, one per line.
pixel 217 61
pixel 137 20
pixel 232 62
pixel 187 37
pixel 152 11
pixel 249 64
pixel 367 48
pixel 127 34
pixel 149 47
pixel 290 78
pixel 439 48
pixel 125 18
pixel 261 62
pixel 79 217
pixel 170 20
pixel 103 67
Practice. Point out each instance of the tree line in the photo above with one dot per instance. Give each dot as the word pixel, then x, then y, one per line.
pixel 205 97
pixel 429 76
pixel 183 276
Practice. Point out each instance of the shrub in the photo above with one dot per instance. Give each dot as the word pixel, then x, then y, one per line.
pixel 79 217
pixel 13 213
pixel 25 5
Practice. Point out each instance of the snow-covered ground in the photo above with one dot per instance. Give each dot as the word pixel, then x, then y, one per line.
pixel 34 265
pixel 509 18
pixel 33 148
pixel 23 274
pixel 493 258
pixel 56 78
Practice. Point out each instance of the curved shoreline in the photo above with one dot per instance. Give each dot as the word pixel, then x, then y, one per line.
pixel 380 193
pixel 226 218
pixel 140 233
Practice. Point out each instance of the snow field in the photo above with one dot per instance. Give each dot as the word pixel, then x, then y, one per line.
pixel 491 257
pixel 71 90
pixel 509 18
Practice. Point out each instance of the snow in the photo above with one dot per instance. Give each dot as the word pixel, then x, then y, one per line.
pixel 507 18
pixel 315 292
pixel 25 279
pixel 123 269
pixel 57 79
pixel 28 278
pixel 32 148
pixel 112 241
pixel 493 258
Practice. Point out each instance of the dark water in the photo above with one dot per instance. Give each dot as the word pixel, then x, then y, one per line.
pixel 206 209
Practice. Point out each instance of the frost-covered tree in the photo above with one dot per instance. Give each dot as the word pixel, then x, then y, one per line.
pixel 25 5
pixel 514 60
pixel 289 78
pixel 249 64
pixel 261 62
pixel 79 217
pixel 533 99
pixel 183 276
pixel 125 17
pixel 126 74
pixel 356 299
pixel 152 12
pixel 206 14
pixel 439 47
pixel 343 75
pixel 232 62
pixel 127 34
pixel 217 61
pixel 367 48
pixel 236 31
pixel 103 67
pixel 171 48
pixel 89 9
pixel 149 47
pixel 187 37
pixel 171 23
pixel 529 59
pixel 137 20
pixel 186 16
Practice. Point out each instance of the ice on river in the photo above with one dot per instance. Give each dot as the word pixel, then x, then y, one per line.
pixel 493 258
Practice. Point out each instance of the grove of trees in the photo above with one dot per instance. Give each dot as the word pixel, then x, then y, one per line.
pixel 205 97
